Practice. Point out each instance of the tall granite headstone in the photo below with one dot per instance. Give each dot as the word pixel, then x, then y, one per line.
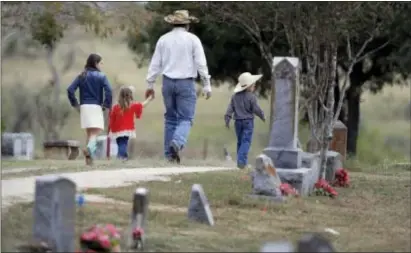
pixel 139 215
pixel 54 213
pixel 283 144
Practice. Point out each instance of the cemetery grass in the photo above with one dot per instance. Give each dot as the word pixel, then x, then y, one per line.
pixel 372 215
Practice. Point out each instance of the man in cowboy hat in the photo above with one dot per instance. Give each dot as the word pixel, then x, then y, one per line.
pixel 244 106
pixel 178 56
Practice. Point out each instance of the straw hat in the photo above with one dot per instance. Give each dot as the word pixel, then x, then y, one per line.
pixel 180 17
pixel 245 80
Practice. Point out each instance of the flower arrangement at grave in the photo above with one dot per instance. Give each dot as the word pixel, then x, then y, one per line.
pixel 323 188
pixel 342 178
pixel 100 238
pixel 288 190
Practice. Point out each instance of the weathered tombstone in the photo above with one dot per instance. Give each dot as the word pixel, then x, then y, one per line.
pixel 284 247
pixel 314 243
pixel 339 140
pixel 199 208
pixel 101 148
pixel 294 167
pixel 64 149
pixel 283 144
pixel 265 180
pixel 17 145
pixel 54 213
pixel 139 215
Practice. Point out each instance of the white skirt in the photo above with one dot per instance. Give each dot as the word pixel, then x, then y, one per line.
pixel 91 116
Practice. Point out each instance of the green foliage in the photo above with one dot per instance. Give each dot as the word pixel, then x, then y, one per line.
pixel 46 30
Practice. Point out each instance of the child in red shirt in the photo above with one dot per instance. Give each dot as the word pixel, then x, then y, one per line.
pixel 121 121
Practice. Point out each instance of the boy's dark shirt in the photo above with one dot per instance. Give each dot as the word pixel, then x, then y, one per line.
pixel 244 106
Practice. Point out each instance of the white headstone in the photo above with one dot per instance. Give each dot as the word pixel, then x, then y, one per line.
pixel 18 145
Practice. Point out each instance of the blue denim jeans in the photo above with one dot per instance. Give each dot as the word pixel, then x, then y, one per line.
pixel 244 130
pixel 122 144
pixel 180 99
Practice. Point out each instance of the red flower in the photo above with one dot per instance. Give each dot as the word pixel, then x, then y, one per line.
pixel 342 178
pixel 323 184
pixel 138 233
pixel 287 189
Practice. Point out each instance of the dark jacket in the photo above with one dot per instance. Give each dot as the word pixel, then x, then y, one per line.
pixel 244 106
pixel 92 86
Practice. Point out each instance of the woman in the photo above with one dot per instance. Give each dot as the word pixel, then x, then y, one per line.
pixel 92 84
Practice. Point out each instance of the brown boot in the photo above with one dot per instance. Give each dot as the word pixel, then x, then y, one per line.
pixel 87 156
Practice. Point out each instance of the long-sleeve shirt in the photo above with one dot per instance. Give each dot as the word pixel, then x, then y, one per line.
pixel 179 54
pixel 92 86
pixel 244 106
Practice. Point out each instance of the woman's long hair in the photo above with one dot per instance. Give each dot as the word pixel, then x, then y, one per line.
pixel 125 98
pixel 91 64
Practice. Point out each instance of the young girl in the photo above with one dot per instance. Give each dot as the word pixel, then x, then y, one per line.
pixel 244 105
pixel 122 119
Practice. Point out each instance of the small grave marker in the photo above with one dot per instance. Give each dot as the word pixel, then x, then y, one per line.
pixel 54 213
pixel 199 208
pixel 265 179
pixel 139 215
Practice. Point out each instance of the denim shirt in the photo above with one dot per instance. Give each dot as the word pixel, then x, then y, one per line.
pixel 91 86
pixel 244 106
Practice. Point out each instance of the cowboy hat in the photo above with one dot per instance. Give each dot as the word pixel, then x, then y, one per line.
pixel 245 80
pixel 180 17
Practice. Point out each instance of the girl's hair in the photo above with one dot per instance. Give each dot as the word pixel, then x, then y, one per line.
pixel 125 98
pixel 91 64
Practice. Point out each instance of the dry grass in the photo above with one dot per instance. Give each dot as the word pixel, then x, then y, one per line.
pixel 373 215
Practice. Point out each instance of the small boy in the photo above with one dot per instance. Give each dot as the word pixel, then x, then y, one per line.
pixel 244 105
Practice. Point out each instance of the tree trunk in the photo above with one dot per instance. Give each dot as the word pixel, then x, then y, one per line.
pixel 353 121
pixel 329 112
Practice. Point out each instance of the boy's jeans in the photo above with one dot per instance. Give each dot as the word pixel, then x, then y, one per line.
pixel 122 144
pixel 244 130
pixel 180 99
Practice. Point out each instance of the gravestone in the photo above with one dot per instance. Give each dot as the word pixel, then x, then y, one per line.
pixel 295 167
pixel 54 213
pixel 283 143
pixel 17 146
pixel 339 140
pixel 199 208
pixel 101 147
pixel 284 246
pixel 227 155
pixel 139 215
pixel 265 180
pixel 334 162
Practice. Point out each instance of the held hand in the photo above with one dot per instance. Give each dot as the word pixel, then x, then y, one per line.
pixel 207 92
pixel 150 92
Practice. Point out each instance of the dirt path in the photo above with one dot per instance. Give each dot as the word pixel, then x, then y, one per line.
pixel 22 189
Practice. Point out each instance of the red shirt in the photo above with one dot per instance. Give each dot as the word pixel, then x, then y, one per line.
pixel 123 121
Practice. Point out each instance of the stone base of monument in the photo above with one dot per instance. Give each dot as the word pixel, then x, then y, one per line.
pixel 302 179
pixel 334 162
pixel 284 158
